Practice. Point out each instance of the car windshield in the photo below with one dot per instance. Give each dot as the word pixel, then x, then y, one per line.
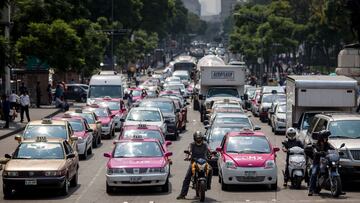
pixel 282 109
pixel 89 117
pixel 164 106
pixel 270 98
pixel 345 128
pixel 222 92
pixel 218 133
pixel 39 150
pixel 145 134
pixel 248 145
pixel 278 89
pixel 101 91
pixel 183 77
pixel 113 105
pixel 137 149
pixel 77 126
pixel 307 120
pixel 229 109
pixel 136 93
pixel 55 131
pixel 101 112
pixel 243 122
pixel 144 115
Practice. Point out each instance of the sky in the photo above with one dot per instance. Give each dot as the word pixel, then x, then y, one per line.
pixel 210 7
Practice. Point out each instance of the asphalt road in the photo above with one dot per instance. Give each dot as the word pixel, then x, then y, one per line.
pixel 91 186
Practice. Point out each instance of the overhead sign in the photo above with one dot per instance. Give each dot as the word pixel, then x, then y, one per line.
pixel 34 63
pixel 227 75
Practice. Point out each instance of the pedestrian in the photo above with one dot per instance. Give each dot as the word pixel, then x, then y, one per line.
pixel 49 93
pixel 38 94
pixel 6 110
pixel 137 81
pixel 60 102
pixel 14 100
pixel 22 88
pixel 58 92
pixel 130 99
pixel 25 103
pixel 143 93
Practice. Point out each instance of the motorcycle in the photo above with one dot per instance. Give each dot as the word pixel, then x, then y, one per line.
pixel 329 177
pixel 297 166
pixel 200 171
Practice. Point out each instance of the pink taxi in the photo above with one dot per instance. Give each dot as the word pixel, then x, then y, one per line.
pixel 117 108
pixel 247 157
pixel 146 131
pixel 106 117
pixel 136 92
pixel 82 130
pixel 138 162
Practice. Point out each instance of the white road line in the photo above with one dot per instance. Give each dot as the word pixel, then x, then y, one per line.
pixel 89 185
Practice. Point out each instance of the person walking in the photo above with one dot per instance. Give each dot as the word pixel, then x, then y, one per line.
pixel 38 94
pixel 6 110
pixel 49 93
pixel 14 99
pixel 25 103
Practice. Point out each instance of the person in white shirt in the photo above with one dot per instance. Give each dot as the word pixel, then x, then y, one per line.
pixel 25 103
pixel 13 99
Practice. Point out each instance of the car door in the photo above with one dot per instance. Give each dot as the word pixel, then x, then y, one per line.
pixel 69 93
pixel 221 160
pixel 71 164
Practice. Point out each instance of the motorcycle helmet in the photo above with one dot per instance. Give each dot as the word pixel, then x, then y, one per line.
pixel 291 133
pixel 323 135
pixel 198 137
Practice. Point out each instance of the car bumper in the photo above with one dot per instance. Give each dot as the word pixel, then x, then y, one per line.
pixel 144 180
pixel 105 130
pixel 19 183
pixel 237 176
pixel 81 147
pixel 171 128
pixel 350 168
pixel 280 126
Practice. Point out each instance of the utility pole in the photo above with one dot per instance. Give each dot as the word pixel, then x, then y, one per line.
pixel 5 20
pixel 112 36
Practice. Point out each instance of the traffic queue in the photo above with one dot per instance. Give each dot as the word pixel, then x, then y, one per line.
pixel 155 112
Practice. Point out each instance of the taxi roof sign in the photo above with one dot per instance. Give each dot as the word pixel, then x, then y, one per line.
pixel 66 115
pixel 41 139
pixel 137 136
pixel 46 121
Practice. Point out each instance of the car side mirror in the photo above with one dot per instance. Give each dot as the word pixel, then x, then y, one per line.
pixel 257 127
pixel 342 145
pixel 122 119
pixel 70 156
pixel 218 149
pixel 107 154
pixel 276 149
pixel 18 138
pixel 90 130
pixel 8 156
pixel 74 138
pixel 167 154
pixel 167 143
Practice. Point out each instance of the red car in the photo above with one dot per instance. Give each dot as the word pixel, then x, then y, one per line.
pixel 117 108
pixel 106 117
pixel 145 131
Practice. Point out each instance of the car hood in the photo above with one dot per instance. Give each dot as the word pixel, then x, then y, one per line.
pixel 140 162
pixel 349 143
pixel 81 134
pixel 250 160
pixel 105 120
pixel 34 165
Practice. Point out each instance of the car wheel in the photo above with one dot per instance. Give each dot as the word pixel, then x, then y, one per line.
pixel 74 180
pixel 65 188
pixel 109 189
pixel 85 155
pixel 224 186
pixel 99 140
pixel 273 186
pixel 7 192
pixel 165 188
pixel 90 150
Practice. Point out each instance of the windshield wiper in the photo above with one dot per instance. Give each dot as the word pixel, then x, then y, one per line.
pixel 341 136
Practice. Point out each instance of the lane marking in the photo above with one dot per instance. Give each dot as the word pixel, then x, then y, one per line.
pixel 89 185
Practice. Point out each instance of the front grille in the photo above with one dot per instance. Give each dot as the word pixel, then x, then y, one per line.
pixel 134 170
pixel 250 179
pixel 355 154
pixel 31 174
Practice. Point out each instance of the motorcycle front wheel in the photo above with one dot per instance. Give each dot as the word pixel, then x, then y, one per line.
pixel 336 186
pixel 202 189
pixel 296 182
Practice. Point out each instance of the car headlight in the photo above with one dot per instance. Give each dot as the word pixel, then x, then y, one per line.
pixel 55 173
pixel 281 120
pixel 11 173
pixel 157 170
pixel 270 164
pixel 114 171
pixel 230 165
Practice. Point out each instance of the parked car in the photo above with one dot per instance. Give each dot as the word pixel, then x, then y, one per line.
pixel 77 92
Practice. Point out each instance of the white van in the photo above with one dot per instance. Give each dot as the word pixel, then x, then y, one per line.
pixel 101 86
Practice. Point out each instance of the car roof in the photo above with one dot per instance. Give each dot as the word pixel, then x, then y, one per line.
pixel 246 133
pixel 53 122
pixel 342 116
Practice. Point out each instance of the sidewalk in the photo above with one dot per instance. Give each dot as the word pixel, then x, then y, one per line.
pixel 35 114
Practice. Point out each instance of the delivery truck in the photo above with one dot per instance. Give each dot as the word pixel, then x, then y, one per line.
pixel 307 96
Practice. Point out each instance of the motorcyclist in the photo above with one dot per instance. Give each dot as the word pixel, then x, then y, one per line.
pixel 198 149
pixel 287 144
pixel 319 150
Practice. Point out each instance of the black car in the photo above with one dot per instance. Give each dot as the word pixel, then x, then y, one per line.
pixel 169 111
pixel 77 92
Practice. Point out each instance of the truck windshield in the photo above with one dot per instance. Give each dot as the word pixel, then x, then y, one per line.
pixel 345 128
pixel 307 120
pixel 101 91
pixel 223 92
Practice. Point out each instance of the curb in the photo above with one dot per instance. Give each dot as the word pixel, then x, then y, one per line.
pixel 23 128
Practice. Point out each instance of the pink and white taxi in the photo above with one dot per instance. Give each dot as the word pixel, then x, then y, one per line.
pixel 117 108
pixel 106 117
pixel 136 92
pixel 138 162
pixel 247 157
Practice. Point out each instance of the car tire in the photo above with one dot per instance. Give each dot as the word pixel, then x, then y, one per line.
pixel 85 155
pixel 224 186
pixel 273 186
pixel 75 179
pixel 89 151
pixel 7 192
pixel 65 188
pixel 109 189
pixel 99 140
pixel 165 187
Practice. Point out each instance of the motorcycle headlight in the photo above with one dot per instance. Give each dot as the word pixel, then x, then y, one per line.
pixel 230 165
pixel 270 164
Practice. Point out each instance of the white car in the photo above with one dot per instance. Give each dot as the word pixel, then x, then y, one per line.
pixel 146 116
pixel 278 119
pixel 183 75
pixel 177 87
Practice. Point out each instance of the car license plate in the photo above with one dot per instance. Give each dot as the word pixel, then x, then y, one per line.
pixel 135 179
pixel 31 182
pixel 250 173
